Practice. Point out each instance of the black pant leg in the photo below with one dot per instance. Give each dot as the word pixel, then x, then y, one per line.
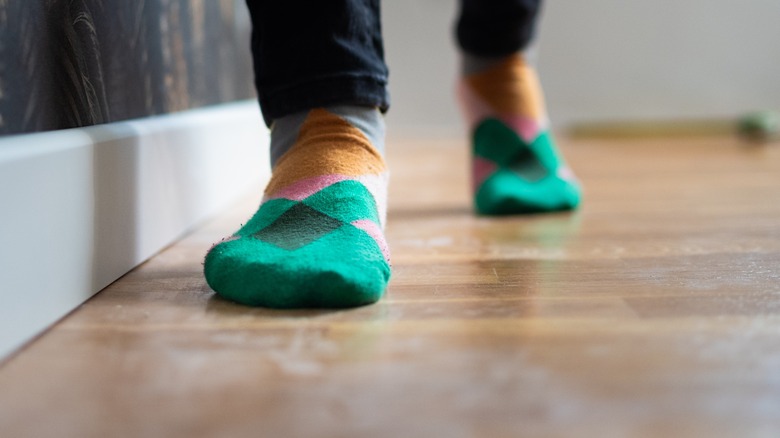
pixel 496 27
pixel 314 53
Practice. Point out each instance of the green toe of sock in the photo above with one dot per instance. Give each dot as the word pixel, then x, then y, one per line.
pixel 526 176
pixel 343 269
pixel 293 255
pixel 505 193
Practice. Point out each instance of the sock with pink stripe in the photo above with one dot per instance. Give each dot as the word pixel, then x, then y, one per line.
pixel 317 239
pixel 516 166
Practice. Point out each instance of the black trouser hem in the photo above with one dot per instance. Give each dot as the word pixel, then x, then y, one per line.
pixel 322 92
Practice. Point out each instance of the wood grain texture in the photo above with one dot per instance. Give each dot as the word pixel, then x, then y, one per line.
pixel 73 63
pixel 654 311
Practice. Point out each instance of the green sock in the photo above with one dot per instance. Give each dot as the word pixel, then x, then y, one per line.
pixel 317 239
pixel 516 165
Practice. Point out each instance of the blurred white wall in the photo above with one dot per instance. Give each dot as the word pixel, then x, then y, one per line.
pixel 420 51
pixel 601 60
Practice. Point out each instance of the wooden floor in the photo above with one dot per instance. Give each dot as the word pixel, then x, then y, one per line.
pixel 654 311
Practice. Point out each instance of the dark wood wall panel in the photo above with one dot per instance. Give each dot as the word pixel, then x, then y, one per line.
pixel 71 63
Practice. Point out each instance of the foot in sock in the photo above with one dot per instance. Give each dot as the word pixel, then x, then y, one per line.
pixel 516 167
pixel 317 239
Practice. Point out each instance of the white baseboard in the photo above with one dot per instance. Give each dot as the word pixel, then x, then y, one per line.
pixel 81 207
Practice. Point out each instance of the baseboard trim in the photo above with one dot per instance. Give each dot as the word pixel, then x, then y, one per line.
pixel 81 207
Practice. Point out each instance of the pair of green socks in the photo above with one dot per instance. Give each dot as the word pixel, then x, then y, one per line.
pixel 317 239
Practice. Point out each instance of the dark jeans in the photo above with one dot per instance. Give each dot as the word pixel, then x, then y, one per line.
pixel 314 53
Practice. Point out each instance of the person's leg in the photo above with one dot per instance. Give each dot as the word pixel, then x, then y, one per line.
pixel 516 165
pixel 311 54
pixel 317 239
